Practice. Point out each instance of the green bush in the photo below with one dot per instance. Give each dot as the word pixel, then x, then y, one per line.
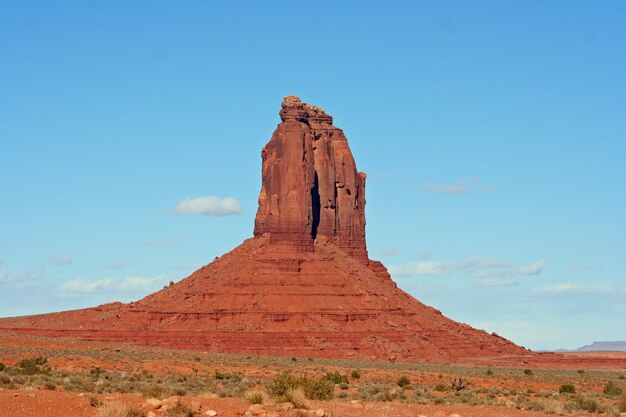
pixel 403 381
pixel 335 378
pixel 33 366
pixel 567 389
pixel 611 388
pixel 355 374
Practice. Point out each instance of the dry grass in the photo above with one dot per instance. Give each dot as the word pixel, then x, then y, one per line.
pixel 255 396
pixel 297 397
pixel 117 409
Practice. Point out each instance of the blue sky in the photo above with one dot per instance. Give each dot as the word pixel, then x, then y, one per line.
pixel 493 135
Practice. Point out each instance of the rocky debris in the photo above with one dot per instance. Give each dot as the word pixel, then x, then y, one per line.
pixel 311 413
pixel 153 403
pixel 310 184
pixel 256 410
pixel 210 413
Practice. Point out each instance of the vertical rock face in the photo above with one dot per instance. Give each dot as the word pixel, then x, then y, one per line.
pixel 310 184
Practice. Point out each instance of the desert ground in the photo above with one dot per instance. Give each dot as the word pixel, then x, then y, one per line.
pixel 53 377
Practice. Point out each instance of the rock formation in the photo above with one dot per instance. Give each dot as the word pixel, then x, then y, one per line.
pixel 302 286
pixel 311 186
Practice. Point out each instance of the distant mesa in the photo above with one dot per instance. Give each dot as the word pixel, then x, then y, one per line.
pixel 302 286
pixel 613 346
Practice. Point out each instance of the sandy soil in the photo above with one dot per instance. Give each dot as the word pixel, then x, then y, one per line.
pixel 589 371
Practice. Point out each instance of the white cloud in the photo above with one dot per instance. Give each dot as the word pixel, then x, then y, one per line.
pixel 209 205
pixel 112 285
pixel 163 243
pixel 116 265
pixel 569 288
pixel 490 271
pixel 389 252
pixel 457 188
pixel 534 269
pixel 61 260
pixel 19 279
pixel 418 269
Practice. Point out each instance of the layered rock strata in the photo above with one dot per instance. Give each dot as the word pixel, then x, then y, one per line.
pixel 310 184
pixel 302 286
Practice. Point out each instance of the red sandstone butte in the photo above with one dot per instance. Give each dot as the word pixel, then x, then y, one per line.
pixel 302 286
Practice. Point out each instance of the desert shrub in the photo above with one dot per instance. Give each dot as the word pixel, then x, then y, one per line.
pixel 440 387
pixel 422 395
pixel 581 403
pixel 96 372
pixel 32 366
pixel 2 367
pixel 255 396
pixel 234 376
pixel 157 391
pixel 344 386
pixel 180 410
pixel 319 390
pixel 581 372
pixel 567 389
pixel 622 404
pixel 335 378
pixel 528 372
pixel 117 409
pixel 403 381
pixel 459 384
pixel 621 377
pixel 489 372
pixel 297 397
pixel 611 388
pixel 314 390
pixel 355 374
pixel 94 401
pixel 5 379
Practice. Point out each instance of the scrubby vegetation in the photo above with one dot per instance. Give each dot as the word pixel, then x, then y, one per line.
pixel 321 389
pixel 544 390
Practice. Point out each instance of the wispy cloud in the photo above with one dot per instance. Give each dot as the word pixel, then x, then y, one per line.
pixel 534 269
pixel 162 243
pixel 586 268
pixel 489 271
pixel 389 252
pixel 61 260
pixel 383 176
pixel 456 188
pixel 571 288
pixel 459 187
pixel 209 206
pixel 19 279
pixel 116 265
pixel 112 285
